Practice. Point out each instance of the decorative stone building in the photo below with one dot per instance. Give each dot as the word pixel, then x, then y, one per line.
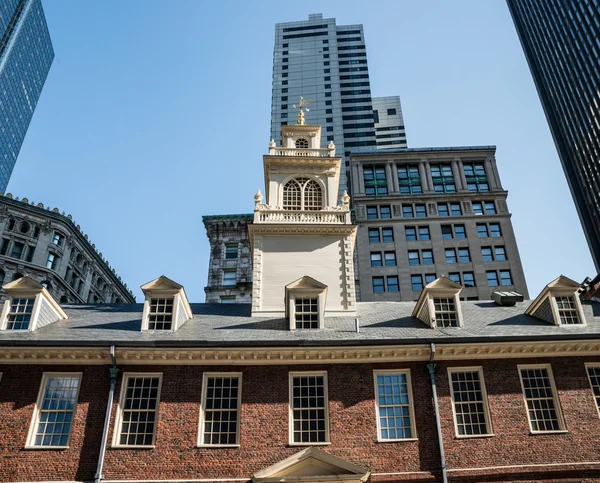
pixel 230 263
pixel 427 212
pixel 49 247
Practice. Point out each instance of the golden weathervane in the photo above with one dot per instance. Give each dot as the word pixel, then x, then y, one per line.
pixel 300 106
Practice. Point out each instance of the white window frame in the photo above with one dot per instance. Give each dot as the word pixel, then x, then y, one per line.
pixel 595 365
pixel 30 444
pixel 293 374
pixel 556 313
pixel 442 294
pixel 411 406
pixel 119 418
pixel 205 377
pixel 35 310
pixel 177 307
pixel 557 406
pixel 319 294
pixel 486 408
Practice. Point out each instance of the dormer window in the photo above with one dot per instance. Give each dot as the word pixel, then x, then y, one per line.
pixel 306 303
pixel 160 316
pixel 19 315
pixel 567 310
pixel 302 143
pixel 29 306
pixel 558 303
pixel 439 304
pixel 445 312
pixel 166 307
pixel 307 312
pixel 302 194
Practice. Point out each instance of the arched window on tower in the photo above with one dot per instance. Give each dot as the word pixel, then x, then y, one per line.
pixel 302 194
pixel 302 143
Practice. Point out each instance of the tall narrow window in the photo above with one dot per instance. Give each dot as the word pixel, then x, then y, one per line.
pixel 443 179
pixel 445 312
pixel 308 408
pixel 220 413
pixel 51 261
pixel 388 234
pixel 471 415
pixel 476 177
pixel 19 314
pixel 543 409
pixel 593 373
pixel 138 410
pixel 307 313
pixel 313 196
pixel 375 181
pixel 393 396
pixel 409 179
pixel 374 235
pixel 160 315
pixel 54 411
pixel 292 195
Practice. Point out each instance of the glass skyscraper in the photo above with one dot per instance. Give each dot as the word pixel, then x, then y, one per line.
pixel 325 62
pixel 561 40
pixel 26 55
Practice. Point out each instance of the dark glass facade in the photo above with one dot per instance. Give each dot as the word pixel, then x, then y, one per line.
pixel 561 40
pixel 26 55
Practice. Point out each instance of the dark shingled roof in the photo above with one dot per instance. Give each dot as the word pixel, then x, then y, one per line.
pixel 219 325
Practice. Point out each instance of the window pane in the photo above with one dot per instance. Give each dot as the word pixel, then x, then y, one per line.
pixel 371 212
pixel 393 406
pixel 373 235
pixel 567 310
pixel 469 404
pixel 385 212
pixel 477 208
pixel 500 253
pixel 455 277
pixel 468 279
pixel 413 257
pixel 445 312
pixel 482 230
pixel 424 233
pixel 390 259
pixel 490 207
pixel 19 315
pixel 459 231
pixel 307 312
pixel 429 277
pixel 388 234
pixel 378 286
pixel 594 375
pixel 417 282
pixel 539 395
pixel 411 233
pixel 139 410
pixel 463 255
pixel 505 277
pixel 376 259
pixel 309 406
pixel 455 209
pixel 160 315
pixel 450 255
pixel 486 253
pixel 492 279
pixel 427 257
pixel 495 230
pixel 420 211
pixel 447 232
pixel 56 411
pixel 407 211
pixel 392 284
pixel 443 209
pixel 220 410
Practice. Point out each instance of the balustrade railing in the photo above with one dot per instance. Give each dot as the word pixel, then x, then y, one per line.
pixel 319 153
pixel 288 216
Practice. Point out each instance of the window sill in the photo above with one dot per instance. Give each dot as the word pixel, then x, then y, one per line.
pixel 558 431
pixel 124 446
pixel 397 440
pixel 216 446
pixel 310 444
pixel 475 436
pixel 45 448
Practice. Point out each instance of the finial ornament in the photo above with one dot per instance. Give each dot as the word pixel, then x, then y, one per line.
pixel 345 199
pixel 258 197
pixel 300 106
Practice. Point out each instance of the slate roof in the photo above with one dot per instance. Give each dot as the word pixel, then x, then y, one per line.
pixel 219 325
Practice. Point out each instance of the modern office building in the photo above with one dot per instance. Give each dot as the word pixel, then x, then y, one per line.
pixel 427 212
pixel 389 123
pixel 47 246
pixel 325 62
pixel 561 40
pixel 26 55
pixel 230 263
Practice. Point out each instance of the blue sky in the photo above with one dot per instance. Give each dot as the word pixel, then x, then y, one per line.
pixel 157 112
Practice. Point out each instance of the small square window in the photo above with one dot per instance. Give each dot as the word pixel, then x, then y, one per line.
pixel 284 115
pixel 327 78
pixel 284 98
pixel 455 209
pixel 468 279
pixel 283 91
pixel 326 56
pixel 329 119
pixel 326 71
pixel 420 211
pixel 477 207
pixel 407 211
pixel 442 209
pixel 391 112
pixel 388 234
pixel 19 314
pixel 327 86
pixel 328 94
pixel 328 111
pixel 385 212
pixel 378 286
pixel 328 103
pixel 372 213
pixel 455 277
pixel 231 251
pixel 411 233
pixel 326 62
pixel 490 207
pixel 374 235
pixel 447 232
pixel 376 259
pixel 229 278
pixel 430 277
pixel 416 282
pixel 393 284
pixel 329 129
pixel 390 259
pixel 58 239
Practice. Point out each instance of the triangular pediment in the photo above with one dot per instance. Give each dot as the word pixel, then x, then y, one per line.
pixel 306 282
pixel 559 286
pixel 161 283
pixel 312 463
pixel 440 287
pixel 24 283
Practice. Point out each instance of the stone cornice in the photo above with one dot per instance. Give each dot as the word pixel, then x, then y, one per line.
pixel 294 229
pixel 277 355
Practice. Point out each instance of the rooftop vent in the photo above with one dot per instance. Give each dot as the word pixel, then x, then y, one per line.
pixel 507 299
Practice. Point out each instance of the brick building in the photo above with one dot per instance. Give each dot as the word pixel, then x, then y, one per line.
pixel 304 384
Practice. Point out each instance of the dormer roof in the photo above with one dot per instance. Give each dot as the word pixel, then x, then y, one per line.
pixel 440 287
pixel 306 282
pixel 544 305
pixel 165 288
pixel 44 309
pixel 161 284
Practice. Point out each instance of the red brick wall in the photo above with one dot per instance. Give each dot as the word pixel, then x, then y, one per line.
pixel 264 426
